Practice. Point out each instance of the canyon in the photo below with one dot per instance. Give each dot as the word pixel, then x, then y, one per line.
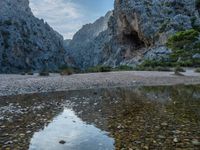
pixel 135 31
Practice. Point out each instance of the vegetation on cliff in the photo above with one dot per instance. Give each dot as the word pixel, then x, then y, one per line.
pixel 185 45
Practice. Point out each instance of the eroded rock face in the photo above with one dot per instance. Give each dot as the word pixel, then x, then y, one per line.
pixel 148 19
pixel 139 29
pixel 27 43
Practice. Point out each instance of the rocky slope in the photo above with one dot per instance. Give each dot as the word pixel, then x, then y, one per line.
pixel 137 30
pixel 27 43
pixel 141 28
pixel 86 46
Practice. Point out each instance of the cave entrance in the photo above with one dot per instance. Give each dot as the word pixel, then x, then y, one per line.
pixel 133 40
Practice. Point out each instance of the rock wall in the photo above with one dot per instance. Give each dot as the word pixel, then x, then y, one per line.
pixel 138 30
pixel 86 46
pixel 27 43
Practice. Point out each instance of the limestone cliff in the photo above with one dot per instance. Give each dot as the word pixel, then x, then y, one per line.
pixel 137 30
pixel 27 43
pixel 141 28
pixel 86 46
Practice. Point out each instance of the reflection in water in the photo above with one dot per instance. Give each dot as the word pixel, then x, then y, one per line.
pixel 72 130
pixel 126 118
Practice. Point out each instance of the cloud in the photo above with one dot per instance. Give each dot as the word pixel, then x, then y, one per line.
pixel 62 15
pixel 68 16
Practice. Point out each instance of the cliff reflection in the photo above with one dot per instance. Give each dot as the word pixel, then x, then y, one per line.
pixel 136 118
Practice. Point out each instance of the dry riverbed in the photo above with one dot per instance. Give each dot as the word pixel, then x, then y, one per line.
pixel 19 84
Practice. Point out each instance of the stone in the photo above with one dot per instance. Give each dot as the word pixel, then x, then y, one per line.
pixel 28 132
pixel 8 143
pixel 164 124
pixel 195 142
pixel 196 56
pixel 62 142
pixel 161 137
pixel 22 135
pixel 175 140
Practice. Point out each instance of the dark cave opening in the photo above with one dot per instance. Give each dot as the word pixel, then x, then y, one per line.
pixel 133 40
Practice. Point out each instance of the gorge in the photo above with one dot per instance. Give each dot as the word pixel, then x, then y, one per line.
pixel 133 32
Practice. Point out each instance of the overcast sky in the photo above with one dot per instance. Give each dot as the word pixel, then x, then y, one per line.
pixel 68 16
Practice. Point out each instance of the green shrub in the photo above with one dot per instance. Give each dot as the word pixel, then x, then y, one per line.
pixel 123 68
pixel 186 63
pixel 142 68
pixel 179 69
pixel 194 25
pixel 196 62
pixel 163 26
pixel 197 70
pixel 6 36
pixel 8 22
pixel 150 68
pixel 23 73
pixel 30 73
pixel 155 63
pixel 159 68
pixel 100 69
pixel 184 44
pixel 181 39
pixel 197 3
pixel 66 71
pixel 44 72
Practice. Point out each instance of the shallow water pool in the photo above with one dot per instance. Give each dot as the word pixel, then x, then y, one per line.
pixel 103 119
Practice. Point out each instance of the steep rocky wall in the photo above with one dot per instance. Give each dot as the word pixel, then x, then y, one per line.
pixel 86 46
pixel 140 29
pixel 137 30
pixel 27 43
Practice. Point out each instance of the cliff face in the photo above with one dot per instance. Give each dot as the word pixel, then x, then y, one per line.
pixel 27 43
pixel 86 46
pixel 137 30
pixel 141 28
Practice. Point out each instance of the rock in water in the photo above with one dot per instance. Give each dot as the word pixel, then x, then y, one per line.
pixel 26 42
pixel 195 142
pixel 62 142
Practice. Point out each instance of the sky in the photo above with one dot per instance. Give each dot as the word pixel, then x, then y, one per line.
pixel 68 16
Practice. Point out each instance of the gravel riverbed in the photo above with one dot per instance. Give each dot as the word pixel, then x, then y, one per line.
pixel 18 84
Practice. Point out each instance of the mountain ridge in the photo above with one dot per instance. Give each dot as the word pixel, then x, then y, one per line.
pixel 27 43
pixel 139 30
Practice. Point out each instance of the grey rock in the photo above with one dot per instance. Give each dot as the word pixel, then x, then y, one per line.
pixel 158 53
pixel 161 137
pixel 196 56
pixel 141 28
pixel 175 140
pixel 26 42
pixel 195 142
pixel 62 142
pixel 137 30
pixel 86 46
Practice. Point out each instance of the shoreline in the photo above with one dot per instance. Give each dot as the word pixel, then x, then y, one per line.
pixel 19 84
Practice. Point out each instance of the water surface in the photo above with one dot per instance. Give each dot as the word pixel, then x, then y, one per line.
pixel 100 119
